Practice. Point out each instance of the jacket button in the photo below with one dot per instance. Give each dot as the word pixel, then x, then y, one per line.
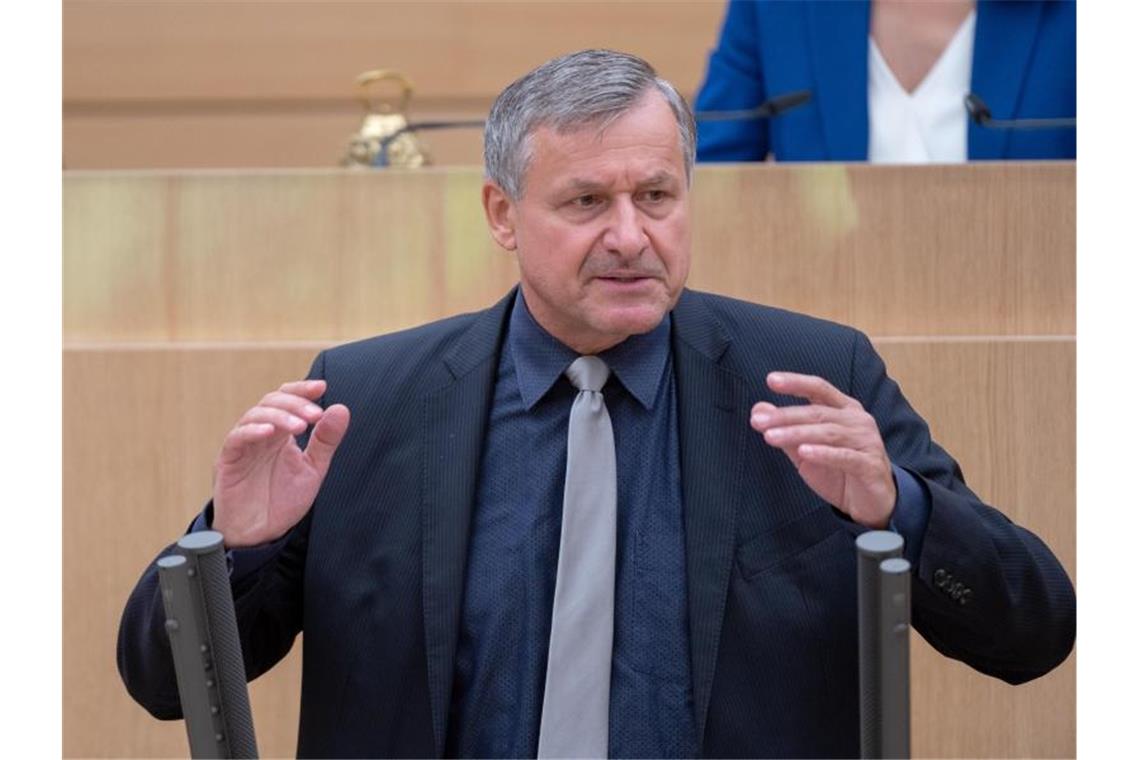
pixel 940 577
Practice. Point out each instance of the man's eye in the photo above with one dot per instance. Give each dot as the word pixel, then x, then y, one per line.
pixel 654 196
pixel 587 201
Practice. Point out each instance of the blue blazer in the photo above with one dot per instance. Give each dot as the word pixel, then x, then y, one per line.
pixel 374 574
pixel 1024 66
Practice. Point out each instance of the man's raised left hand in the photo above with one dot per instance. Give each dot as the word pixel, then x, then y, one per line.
pixel 834 444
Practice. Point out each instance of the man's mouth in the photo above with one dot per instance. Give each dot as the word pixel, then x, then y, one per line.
pixel 625 277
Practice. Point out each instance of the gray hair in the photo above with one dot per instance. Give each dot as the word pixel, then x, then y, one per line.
pixel 587 88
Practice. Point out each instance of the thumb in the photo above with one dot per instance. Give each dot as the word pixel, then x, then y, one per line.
pixel 327 435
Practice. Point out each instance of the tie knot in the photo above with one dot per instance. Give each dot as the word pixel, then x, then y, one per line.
pixel 588 373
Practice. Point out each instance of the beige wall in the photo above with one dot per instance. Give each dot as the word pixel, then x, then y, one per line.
pixel 190 294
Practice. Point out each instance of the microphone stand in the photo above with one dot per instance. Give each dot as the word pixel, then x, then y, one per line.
pixel 766 110
pixel 381 160
pixel 980 115
pixel 884 645
pixel 206 647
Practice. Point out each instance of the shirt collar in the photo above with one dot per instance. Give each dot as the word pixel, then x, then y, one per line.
pixel 540 358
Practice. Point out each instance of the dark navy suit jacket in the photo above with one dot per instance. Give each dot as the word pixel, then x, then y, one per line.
pixel 1024 66
pixel 374 573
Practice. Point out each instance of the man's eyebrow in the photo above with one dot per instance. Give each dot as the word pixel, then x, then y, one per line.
pixel 580 185
pixel 659 178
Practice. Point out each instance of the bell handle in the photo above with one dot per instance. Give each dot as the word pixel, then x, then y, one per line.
pixel 366 79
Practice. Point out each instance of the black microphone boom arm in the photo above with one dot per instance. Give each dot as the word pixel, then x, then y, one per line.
pixel 980 115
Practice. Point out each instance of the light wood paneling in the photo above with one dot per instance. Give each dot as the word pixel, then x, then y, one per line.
pixel 334 255
pixel 895 250
pixel 275 256
pixel 252 49
pixel 163 83
pixel 141 428
pixel 266 140
pixel 1006 411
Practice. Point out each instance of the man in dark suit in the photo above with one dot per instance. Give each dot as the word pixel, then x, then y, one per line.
pixel 752 446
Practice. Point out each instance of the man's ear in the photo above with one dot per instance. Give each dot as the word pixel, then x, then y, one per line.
pixel 500 211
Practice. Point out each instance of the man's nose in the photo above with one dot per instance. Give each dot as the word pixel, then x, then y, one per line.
pixel 625 231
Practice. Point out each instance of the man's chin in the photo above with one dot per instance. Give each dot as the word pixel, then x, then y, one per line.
pixel 635 320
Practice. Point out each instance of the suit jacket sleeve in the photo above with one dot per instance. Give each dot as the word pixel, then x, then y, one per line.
pixel 267 603
pixel 985 591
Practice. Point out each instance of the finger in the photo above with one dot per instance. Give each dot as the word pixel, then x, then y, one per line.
pixel 791 450
pixel 859 464
pixel 298 406
pixel 827 434
pixel 810 414
pixel 867 478
pixel 277 417
pixel 327 435
pixel 310 389
pixel 243 439
pixel 813 388
pixel 763 407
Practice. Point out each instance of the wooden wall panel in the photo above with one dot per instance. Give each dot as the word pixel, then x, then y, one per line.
pixel 336 255
pixel 895 250
pixel 141 429
pixel 276 256
pixel 142 426
pixel 169 83
pixel 1006 411
pixel 263 140
pixel 311 49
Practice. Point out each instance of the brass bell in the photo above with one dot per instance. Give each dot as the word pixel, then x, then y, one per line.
pixel 383 139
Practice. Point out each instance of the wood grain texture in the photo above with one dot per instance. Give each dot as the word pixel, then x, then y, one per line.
pixel 252 49
pixel 142 426
pixel 336 255
pixel 1006 411
pixel 895 250
pixel 251 83
pixel 277 256
pixel 141 430
pixel 260 139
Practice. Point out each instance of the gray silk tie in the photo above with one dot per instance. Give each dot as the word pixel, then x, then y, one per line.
pixel 576 703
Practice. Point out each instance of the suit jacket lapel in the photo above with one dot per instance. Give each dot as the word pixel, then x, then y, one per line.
pixel 713 422
pixel 1003 42
pixel 454 422
pixel 839 55
pixel 712 416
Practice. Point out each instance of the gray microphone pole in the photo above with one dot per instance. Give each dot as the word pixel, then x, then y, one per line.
pixel 204 642
pixel 884 665
pixel 894 656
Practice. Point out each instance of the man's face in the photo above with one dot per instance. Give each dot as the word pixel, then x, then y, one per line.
pixel 602 228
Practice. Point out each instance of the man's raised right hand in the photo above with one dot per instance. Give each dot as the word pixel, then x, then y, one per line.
pixel 263 482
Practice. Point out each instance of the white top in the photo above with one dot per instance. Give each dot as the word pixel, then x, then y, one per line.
pixel 929 124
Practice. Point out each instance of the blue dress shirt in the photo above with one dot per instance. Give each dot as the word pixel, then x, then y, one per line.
pixel 513 553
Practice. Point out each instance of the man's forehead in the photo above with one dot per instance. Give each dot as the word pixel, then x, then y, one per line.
pixel 648 178
pixel 586 156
